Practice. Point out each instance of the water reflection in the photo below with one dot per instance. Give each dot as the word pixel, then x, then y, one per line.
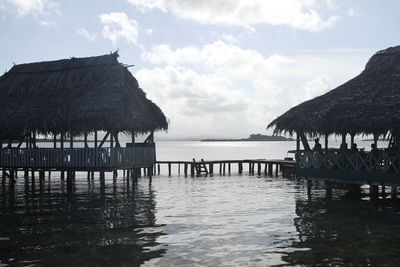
pixel 345 231
pixel 53 224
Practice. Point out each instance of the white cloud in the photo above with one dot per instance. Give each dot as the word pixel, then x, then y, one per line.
pixel 29 7
pixel 117 25
pixel 241 87
pixel 229 38
pixel 352 12
pixel 87 35
pixel 298 14
pixel 317 86
pixel 47 23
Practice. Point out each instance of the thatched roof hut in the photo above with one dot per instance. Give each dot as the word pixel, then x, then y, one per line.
pixel 367 104
pixel 75 96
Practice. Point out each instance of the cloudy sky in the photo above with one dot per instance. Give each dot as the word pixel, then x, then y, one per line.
pixel 221 68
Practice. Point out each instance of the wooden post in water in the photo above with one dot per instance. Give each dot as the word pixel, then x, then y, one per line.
pixel 259 168
pixel 169 168
pixel 394 192
pixel 326 142
pixel 185 168
pixel 373 192
pixel 211 168
pixel 240 167
pixel 229 168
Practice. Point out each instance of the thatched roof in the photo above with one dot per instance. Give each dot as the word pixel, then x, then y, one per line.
pixel 368 103
pixel 74 96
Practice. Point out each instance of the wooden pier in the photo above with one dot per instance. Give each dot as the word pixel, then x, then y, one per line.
pixel 254 166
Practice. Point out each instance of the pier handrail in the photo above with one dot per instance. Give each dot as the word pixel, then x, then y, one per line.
pixel 348 160
pixel 77 158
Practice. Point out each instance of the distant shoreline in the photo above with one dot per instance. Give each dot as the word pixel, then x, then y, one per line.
pixel 251 138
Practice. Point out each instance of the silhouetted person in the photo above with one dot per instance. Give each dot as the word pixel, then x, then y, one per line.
pixel 343 147
pixel 317 146
pixel 374 151
pixel 354 148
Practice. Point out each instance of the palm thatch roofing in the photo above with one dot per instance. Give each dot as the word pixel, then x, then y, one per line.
pixel 75 96
pixel 367 104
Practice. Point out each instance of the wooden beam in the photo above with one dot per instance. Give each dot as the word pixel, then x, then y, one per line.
pixel 55 140
pixel 117 144
pixel 304 141
pixel 104 140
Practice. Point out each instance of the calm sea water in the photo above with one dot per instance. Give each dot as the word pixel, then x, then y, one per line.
pixel 236 220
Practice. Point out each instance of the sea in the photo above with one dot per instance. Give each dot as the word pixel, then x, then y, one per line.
pixel 213 220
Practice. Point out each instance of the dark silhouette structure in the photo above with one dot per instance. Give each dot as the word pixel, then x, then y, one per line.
pixel 367 104
pixel 73 99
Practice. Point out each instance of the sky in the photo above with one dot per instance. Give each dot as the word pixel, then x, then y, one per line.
pixel 217 68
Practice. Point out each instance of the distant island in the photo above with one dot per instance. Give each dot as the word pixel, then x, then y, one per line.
pixel 252 137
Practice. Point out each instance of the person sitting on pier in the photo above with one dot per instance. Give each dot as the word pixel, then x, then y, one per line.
pixel 317 147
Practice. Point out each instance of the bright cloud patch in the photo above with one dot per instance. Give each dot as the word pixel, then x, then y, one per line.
pixel 87 35
pixel 117 25
pixel 29 7
pixel 242 88
pixel 299 14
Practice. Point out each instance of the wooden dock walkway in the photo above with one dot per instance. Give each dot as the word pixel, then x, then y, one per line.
pixel 259 166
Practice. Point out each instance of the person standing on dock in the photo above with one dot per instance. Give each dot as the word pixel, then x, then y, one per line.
pixel 317 146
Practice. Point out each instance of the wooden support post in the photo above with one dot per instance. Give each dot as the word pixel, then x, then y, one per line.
pixel 111 140
pixel 374 192
pixel 62 175
pixel 55 140
pixel 265 168
pixel 115 175
pixel 179 168
pixel 240 167
pixel 220 168
pixel 158 168
pixel 192 167
pixel 71 141
pixel 270 168
pixel 169 168
pixel 383 191
pixel 259 168
pixel 351 140
pixel 326 142
pixel 297 141
pixel 85 140
pixel 328 194
pixel 95 139
pixel 41 175
pixel 185 168
pixel 250 168
pixel 211 168
pixel 102 181
pixel 224 167
pixel 393 192
pixel 229 168
pixel 276 169
pixel 376 136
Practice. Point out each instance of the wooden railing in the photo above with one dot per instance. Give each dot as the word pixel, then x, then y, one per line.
pixel 78 158
pixel 361 161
